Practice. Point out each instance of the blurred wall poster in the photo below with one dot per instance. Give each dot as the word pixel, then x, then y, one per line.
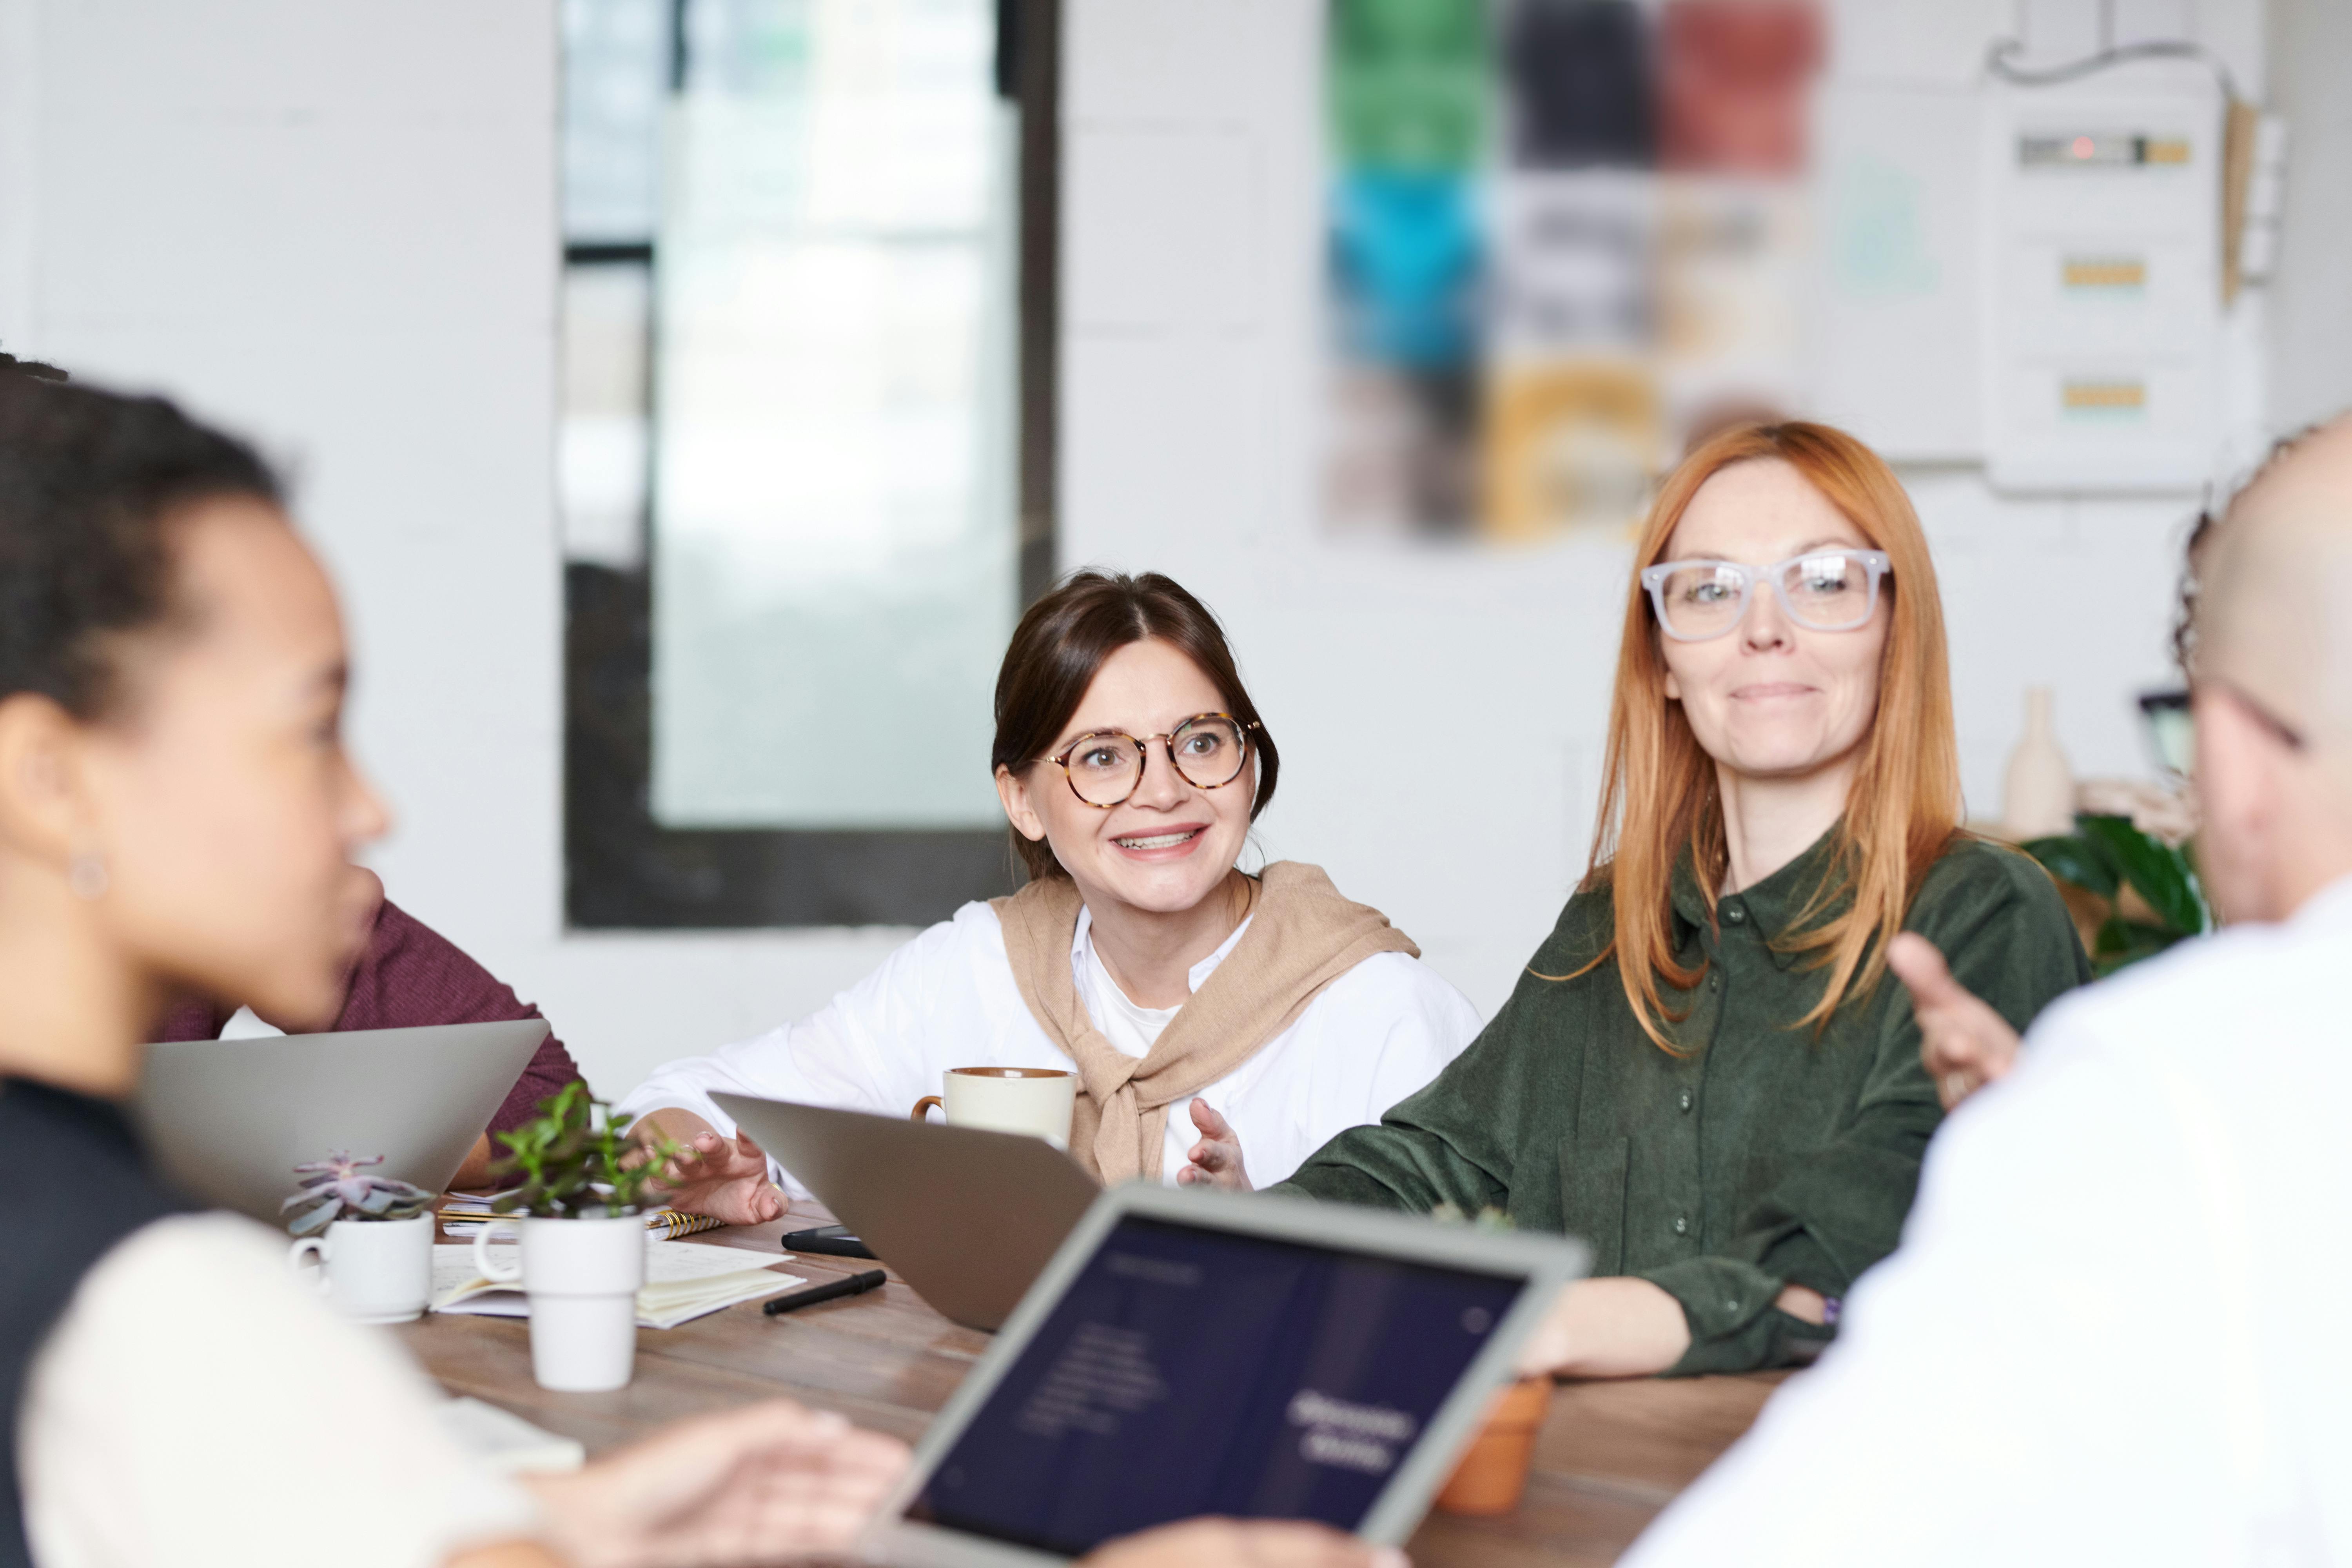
pixel 1564 237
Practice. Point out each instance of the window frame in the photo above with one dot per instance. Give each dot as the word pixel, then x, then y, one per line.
pixel 625 870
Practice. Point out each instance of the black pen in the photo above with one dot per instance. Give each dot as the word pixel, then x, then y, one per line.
pixel 856 1285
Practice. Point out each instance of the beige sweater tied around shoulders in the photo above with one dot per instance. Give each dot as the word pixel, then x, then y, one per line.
pixel 1303 936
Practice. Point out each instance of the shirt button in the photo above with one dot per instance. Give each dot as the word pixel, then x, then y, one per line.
pixel 1686 1099
pixel 1734 913
pixel 1715 983
pixel 1682 1226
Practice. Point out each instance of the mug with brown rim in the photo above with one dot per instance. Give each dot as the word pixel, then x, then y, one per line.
pixel 1035 1101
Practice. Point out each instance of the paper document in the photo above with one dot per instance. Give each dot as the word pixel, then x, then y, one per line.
pixel 683 1281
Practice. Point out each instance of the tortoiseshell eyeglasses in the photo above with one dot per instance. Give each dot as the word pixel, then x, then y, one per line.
pixel 1104 767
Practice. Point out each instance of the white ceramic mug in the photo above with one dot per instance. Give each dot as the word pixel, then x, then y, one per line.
pixel 1035 1101
pixel 582 1276
pixel 372 1270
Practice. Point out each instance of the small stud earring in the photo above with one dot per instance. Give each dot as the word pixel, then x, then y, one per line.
pixel 87 875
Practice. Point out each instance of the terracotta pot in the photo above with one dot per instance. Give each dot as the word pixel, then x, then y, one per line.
pixel 1493 1469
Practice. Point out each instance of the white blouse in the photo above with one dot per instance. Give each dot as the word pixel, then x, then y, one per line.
pixel 194 1407
pixel 948 999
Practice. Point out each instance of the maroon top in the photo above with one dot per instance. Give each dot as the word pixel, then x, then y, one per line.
pixel 411 975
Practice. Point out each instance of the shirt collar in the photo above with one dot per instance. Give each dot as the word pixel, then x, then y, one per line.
pixel 1194 978
pixel 2327 908
pixel 1769 906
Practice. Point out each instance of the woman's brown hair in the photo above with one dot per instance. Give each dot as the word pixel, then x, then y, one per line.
pixel 1660 802
pixel 1062 644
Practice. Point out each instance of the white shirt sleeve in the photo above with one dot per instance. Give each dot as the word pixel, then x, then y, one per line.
pixel 1377 1035
pixel 194 1407
pixel 2046 1308
pixel 872 1047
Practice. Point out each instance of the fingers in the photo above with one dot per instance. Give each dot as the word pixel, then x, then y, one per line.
pixel 1297 1545
pixel 1255 1544
pixel 1924 973
pixel 1212 1125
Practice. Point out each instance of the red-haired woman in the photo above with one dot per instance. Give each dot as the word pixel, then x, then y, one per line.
pixel 1704 1069
pixel 1185 993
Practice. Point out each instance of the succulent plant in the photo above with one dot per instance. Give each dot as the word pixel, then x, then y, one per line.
pixel 574 1159
pixel 341 1188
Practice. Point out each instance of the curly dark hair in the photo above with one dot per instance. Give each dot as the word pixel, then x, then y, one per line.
pixel 1063 642
pixel 2210 517
pixel 89 483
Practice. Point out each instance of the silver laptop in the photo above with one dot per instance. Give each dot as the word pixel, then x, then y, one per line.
pixel 966 1216
pixel 1191 1353
pixel 229 1119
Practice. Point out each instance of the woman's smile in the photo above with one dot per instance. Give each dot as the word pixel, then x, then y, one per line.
pixel 1167 844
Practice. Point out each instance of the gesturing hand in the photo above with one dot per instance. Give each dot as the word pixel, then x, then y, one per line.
pixel 760 1484
pixel 1216 1160
pixel 1240 1544
pixel 1963 1043
pixel 726 1178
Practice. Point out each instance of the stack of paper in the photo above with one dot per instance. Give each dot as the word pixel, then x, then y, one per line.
pixel 683 1281
pixel 464 1214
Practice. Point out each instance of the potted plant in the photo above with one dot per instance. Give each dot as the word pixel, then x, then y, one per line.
pixel 2142 893
pixel 1492 1474
pixel 584 1242
pixel 373 1235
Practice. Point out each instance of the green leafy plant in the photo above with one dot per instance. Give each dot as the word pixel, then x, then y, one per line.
pixel 338 1187
pixel 575 1159
pixel 2149 888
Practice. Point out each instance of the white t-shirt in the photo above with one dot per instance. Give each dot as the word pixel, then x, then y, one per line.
pixel 1131 1027
pixel 2115 1330
pixel 194 1407
pixel 948 999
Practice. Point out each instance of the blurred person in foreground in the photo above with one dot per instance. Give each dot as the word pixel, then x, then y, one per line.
pixel 177 812
pixel 1704 1071
pixel 406 974
pixel 2109 1334
pixel 1966 1044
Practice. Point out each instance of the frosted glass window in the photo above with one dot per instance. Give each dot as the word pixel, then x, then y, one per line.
pixel 834 571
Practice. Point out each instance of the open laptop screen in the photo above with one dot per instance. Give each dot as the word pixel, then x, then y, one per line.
pixel 1190 1371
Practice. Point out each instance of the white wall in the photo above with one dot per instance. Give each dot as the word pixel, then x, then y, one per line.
pixel 334 227
pixel 2311 343
pixel 1194 210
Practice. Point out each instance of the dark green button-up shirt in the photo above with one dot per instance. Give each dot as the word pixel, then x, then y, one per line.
pixel 1765 1155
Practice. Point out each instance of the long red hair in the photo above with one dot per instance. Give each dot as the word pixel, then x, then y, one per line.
pixel 1660 799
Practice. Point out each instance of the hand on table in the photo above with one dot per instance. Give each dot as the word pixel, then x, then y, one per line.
pixel 1963 1043
pixel 726 1178
pixel 758 1484
pixel 1242 1543
pixel 1216 1160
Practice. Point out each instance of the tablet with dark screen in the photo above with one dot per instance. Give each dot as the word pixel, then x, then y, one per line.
pixel 1192 1353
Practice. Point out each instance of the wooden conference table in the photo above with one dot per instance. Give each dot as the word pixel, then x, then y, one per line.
pixel 1610 1455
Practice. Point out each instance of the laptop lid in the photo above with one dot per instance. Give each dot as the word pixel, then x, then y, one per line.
pixel 229 1119
pixel 1189 1353
pixel 967 1216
